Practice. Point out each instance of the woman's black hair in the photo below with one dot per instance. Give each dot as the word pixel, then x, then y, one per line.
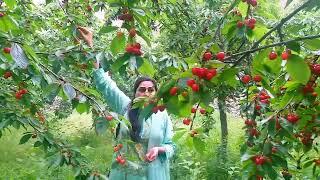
pixel 134 113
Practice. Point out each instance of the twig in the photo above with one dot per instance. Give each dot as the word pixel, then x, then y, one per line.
pixel 194 116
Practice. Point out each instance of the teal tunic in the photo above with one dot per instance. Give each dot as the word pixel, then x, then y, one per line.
pixel 157 131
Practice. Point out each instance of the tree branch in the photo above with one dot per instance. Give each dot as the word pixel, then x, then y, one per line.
pixel 268 46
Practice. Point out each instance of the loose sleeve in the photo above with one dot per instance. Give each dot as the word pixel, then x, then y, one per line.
pixel 113 96
pixel 167 141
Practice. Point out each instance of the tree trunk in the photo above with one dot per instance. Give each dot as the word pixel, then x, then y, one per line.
pixel 224 128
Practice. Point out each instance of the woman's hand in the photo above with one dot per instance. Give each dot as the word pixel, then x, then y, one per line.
pixel 154 152
pixel 86 35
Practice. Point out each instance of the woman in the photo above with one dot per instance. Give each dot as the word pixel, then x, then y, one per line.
pixel 152 138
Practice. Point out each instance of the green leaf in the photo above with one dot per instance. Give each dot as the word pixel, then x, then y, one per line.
pixel 107 29
pixel 10 3
pixel 146 68
pixel 83 107
pixel 118 44
pixel 228 77
pixel 120 62
pixel 8 24
pixel 313 44
pixel 298 69
pixel 270 171
pixel 37 144
pixel 294 46
pixel 199 144
pixel 179 134
pixel 279 161
pixel 25 138
pixel 51 91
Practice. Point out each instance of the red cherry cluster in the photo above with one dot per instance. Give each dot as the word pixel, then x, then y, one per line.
pixel 134 49
pixel 160 108
pixel 7 74
pixel 126 17
pixel 264 97
pixel 309 88
pixel 305 137
pixel 250 123
pixel 187 121
pixel 254 132
pixel 259 159
pixel 117 147
pixel 253 3
pixel 120 160
pixel 250 23
pixel 202 111
pixel 203 73
pixel 20 93
pixel 293 118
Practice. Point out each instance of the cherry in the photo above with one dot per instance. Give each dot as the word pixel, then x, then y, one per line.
pixel 161 108
pixel 209 76
pixel 257 78
pixel 6 50
pixel 259 159
pixel 254 3
pixel 187 121
pixel 173 91
pixel 252 21
pixel 258 107
pixel 246 79
pixel 220 56
pixel 292 118
pixel 273 55
pixel 274 149
pixel 195 88
pixel 89 8
pixel 115 149
pixel 207 56
pixel 254 132
pixel 119 34
pixel 109 117
pixel 155 109
pixel 2 14
pixel 7 74
pixel 190 82
pixel 202 111
pixel 285 55
pixel 193 110
pixel 315 69
pixel 240 24
pixel 132 32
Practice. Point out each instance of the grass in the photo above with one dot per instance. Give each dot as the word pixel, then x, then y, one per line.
pixel 26 162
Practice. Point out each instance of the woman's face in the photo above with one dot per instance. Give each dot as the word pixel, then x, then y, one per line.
pixel 145 88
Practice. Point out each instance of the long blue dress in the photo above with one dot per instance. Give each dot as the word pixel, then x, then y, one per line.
pixel 157 131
